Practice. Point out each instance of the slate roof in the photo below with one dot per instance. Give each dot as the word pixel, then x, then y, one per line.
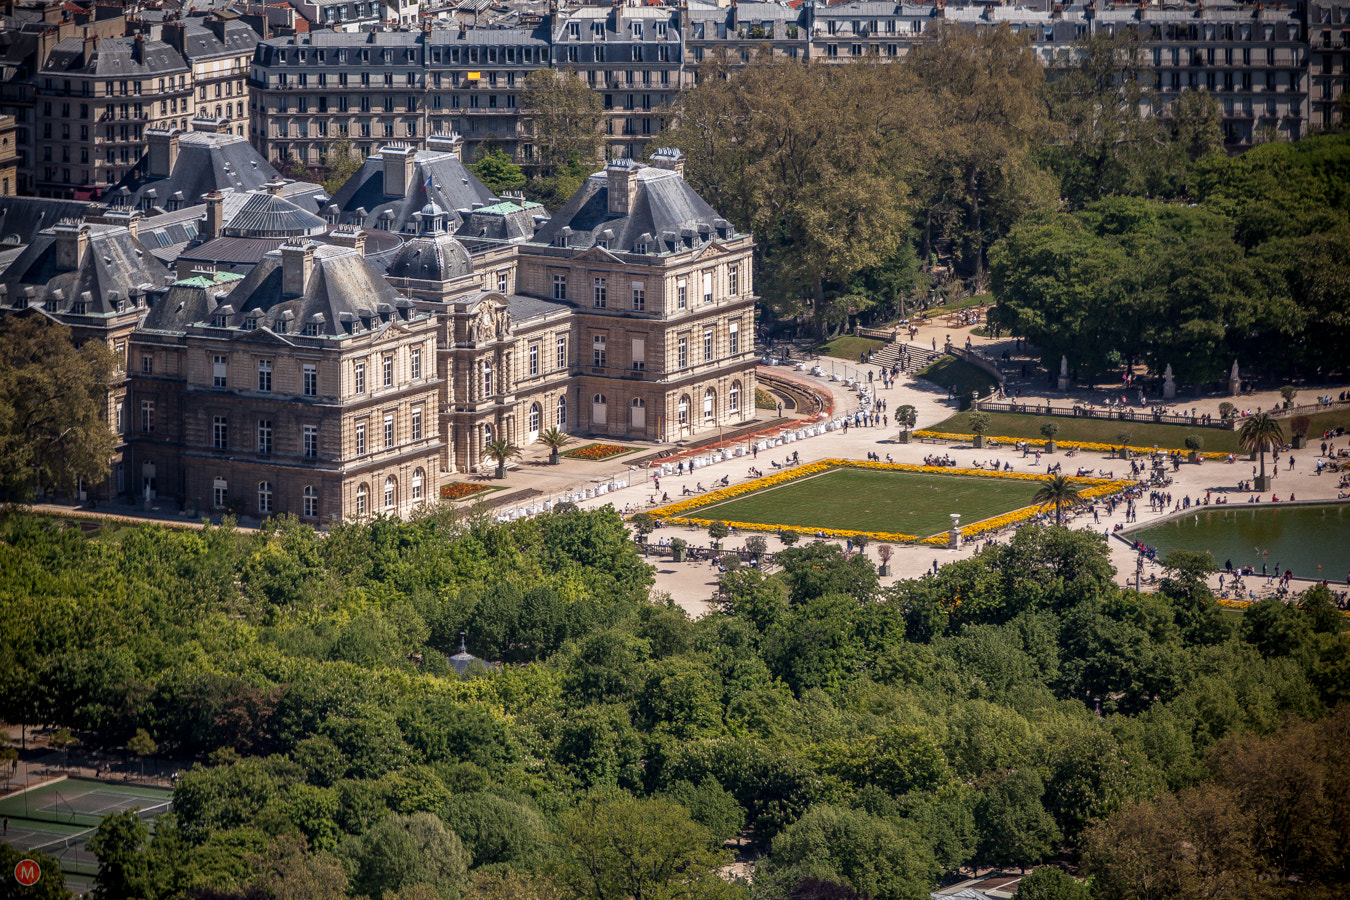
pixel 21 218
pixel 523 309
pixel 266 216
pixel 114 58
pixel 505 221
pixel 206 162
pixel 431 258
pixel 115 266
pixel 361 199
pixel 666 215
pixel 344 295
pixel 200 42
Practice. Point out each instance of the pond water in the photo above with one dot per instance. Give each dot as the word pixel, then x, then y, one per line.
pixel 1301 538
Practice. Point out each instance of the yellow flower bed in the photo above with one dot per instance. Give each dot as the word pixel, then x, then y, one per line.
pixel 674 512
pixel 1071 445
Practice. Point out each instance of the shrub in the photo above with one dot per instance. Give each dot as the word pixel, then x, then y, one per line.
pixel 979 422
pixel 1299 425
pixel 1194 442
pixel 788 537
pixel 1049 430
pixel 1227 410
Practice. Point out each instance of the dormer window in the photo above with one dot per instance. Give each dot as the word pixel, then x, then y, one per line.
pixel 77 308
pixel 281 327
pixel 218 322
pixel 310 330
pixel 602 243
pixel 640 247
pixel 250 324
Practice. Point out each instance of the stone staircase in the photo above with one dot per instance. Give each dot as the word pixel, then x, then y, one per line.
pixel 889 355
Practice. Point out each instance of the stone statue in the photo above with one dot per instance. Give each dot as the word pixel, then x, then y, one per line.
pixel 1169 386
pixel 1233 375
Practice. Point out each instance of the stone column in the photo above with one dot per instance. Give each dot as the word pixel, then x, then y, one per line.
pixel 954 535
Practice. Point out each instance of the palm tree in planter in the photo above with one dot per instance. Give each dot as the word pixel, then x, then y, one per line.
pixel 554 439
pixel 1060 491
pixel 1258 434
pixel 1124 444
pixel 1048 431
pixel 502 451
pixel 905 417
pixel 979 424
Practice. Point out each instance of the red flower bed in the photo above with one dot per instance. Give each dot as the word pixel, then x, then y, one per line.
pixel 596 451
pixel 458 490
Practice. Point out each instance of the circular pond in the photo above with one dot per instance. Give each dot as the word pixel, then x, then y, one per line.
pixel 1312 540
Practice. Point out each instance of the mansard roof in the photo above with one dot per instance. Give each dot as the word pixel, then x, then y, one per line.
pixel 438 177
pixel 666 215
pixel 112 270
pixel 206 162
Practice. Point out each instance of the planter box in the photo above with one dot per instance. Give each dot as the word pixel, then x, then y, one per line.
pixel 904 437
pixel 1300 441
pixel 679 554
pixel 979 441
pixel 1193 456
pixel 1263 483
pixel 884 570
pixel 1050 446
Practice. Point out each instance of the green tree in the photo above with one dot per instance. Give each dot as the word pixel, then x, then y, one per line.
pixel 340 161
pixel 627 849
pixel 501 450
pixel 119 845
pixel 51 885
pixel 808 158
pixel 984 91
pixel 1258 434
pixel 496 170
pixel 142 745
pixel 876 857
pixel 1058 491
pixel 564 116
pixel 718 531
pixel 1015 829
pixel 403 851
pixel 54 431
pixel 1049 883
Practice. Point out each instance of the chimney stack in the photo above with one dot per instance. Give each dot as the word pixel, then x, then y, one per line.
pixel 447 143
pixel 175 35
pixel 399 170
pixel 274 187
pixel 163 146
pixel 355 238
pixel 138 49
pixel 297 265
pixel 215 215
pixel 621 175
pixel 669 158
pixel 72 241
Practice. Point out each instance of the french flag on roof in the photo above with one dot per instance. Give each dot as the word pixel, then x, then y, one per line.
pixel 427 187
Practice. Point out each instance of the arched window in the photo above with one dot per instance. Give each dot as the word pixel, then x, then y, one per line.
pixel 562 413
pixel 536 415
pixel 264 498
pixel 362 500
pixel 684 409
pixel 599 409
pixel 390 492
pixel 734 397
pixel 487 380
pixel 487 434
pixel 417 485
pixel 311 507
pixel 709 403
pixel 638 414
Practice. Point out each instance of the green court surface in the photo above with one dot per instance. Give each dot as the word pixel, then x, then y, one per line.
pixel 912 503
pixel 59 818
pixel 77 802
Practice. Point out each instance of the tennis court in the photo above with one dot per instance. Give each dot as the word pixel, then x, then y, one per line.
pixel 59 818
pixel 76 801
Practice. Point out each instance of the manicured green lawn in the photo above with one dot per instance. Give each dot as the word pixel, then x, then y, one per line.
pixel 865 500
pixel 1106 431
pixel 949 372
pixel 848 346
pixel 1337 418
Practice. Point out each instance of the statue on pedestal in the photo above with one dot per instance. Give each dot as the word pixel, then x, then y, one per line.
pixel 1169 386
pixel 1064 373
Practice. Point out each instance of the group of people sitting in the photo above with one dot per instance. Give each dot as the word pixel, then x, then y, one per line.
pixel 943 460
